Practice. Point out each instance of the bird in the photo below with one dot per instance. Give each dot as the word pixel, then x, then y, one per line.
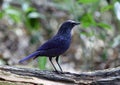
pixel 55 46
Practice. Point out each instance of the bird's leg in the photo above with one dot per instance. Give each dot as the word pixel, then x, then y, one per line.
pixel 57 58
pixel 50 58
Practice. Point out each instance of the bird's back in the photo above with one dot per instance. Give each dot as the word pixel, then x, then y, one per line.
pixel 55 46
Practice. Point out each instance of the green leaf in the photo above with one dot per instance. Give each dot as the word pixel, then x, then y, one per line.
pixel 1 14
pixel 32 23
pixel 42 62
pixel 14 18
pixel 106 8
pixel 12 11
pixel 33 15
pixel 13 14
pixel 36 15
pixel 87 1
pixel 88 20
pixel 103 25
pixel 29 10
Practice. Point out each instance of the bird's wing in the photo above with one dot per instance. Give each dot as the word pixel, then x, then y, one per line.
pixel 53 43
pixel 51 48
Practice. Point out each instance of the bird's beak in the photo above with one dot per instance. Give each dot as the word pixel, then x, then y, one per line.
pixel 77 23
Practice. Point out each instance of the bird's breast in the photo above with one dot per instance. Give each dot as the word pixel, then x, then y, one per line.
pixel 65 42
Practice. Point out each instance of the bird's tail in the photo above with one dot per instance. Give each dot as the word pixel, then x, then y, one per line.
pixel 30 56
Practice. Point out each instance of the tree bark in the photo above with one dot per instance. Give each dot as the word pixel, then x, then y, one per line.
pixel 35 76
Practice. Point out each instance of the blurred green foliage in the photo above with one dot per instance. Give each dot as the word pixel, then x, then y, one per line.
pixel 42 62
pixel 87 1
pixel 81 10
pixel 26 14
pixel 106 8
pixel 13 14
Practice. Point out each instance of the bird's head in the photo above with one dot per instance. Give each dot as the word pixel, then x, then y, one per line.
pixel 67 26
pixel 71 23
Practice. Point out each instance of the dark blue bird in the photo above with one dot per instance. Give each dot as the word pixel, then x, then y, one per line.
pixel 55 46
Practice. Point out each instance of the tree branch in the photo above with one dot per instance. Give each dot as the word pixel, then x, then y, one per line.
pixel 35 76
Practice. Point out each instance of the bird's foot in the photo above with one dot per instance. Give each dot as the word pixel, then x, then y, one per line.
pixel 58 72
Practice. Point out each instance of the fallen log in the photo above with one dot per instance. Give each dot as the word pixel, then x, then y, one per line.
pixel 34 76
